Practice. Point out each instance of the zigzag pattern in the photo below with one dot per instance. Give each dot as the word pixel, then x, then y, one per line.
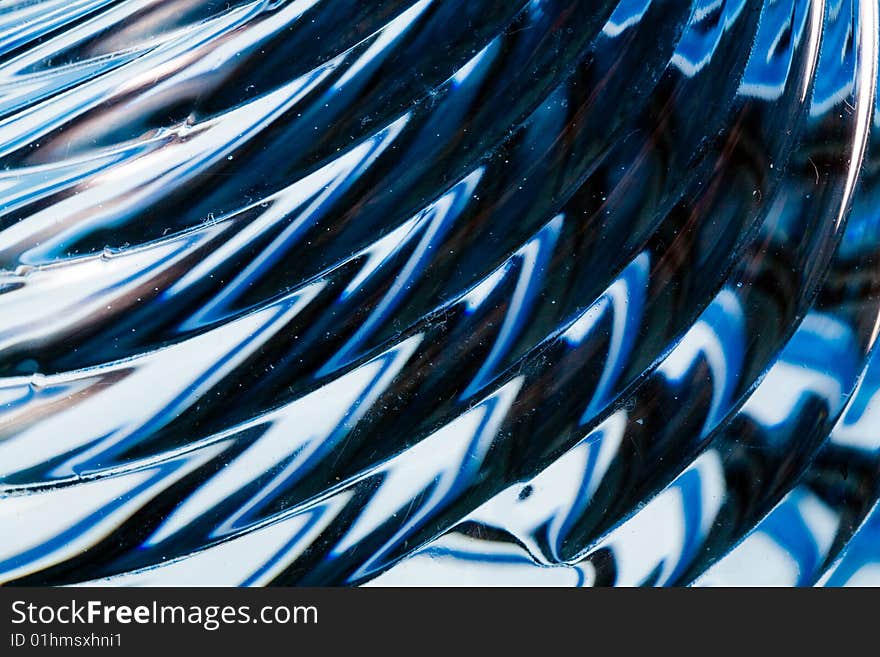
pixel 460 292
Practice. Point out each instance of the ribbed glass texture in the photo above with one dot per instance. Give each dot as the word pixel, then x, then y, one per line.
pixel 473 292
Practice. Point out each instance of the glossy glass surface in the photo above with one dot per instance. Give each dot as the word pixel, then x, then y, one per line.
pixel 441 292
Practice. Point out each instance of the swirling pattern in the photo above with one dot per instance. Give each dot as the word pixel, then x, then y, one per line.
pixel 299 292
